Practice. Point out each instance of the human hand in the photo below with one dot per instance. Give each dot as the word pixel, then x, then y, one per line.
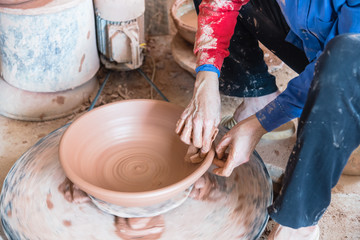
pixel 73 193
pixel 240 142
pixel 198 123
pixel 206 188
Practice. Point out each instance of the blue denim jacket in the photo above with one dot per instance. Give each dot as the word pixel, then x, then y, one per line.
pixel 313 24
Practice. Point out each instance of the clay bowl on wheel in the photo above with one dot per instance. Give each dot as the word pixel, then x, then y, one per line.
pixel 127 153
pixel 11 2
pixel 184 15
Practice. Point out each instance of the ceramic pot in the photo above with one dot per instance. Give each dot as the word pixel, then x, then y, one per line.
pixel 184 15
pixel 127 153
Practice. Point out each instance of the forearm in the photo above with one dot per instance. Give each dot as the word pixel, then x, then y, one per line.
pixel 289 104
pixel 216 23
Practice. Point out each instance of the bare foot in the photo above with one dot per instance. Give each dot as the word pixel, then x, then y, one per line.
pixel 285 233
pixel 253 104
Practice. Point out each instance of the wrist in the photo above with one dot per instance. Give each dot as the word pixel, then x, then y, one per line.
pixel 208 78
pixel 255 124
pixel 208 68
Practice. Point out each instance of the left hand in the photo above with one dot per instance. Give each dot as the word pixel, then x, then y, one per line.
pixel 241 141
pixel 198 124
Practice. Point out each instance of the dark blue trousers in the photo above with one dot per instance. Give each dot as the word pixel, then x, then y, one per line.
pixel 329 128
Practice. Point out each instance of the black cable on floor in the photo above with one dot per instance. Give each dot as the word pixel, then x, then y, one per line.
pixel 99 92
pixel 107 78
pixel 152 84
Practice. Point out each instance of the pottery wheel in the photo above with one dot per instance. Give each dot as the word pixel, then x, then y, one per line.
pixel 32 207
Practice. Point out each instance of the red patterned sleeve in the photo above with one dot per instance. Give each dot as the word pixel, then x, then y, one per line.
pixel 216 23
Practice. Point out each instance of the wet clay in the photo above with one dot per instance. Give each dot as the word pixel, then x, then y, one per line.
pixel 190 18
pixel 150 228
pixel 207 189
pixel 194 155
pixel 72 193
pixel 131 155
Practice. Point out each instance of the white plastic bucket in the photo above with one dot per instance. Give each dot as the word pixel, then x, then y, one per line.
pixel 48 48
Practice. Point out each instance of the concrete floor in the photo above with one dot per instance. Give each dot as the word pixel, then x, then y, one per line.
pixel 342 219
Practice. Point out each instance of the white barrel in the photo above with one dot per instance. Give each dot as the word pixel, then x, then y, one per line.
pixel 119 10
pixel 48 46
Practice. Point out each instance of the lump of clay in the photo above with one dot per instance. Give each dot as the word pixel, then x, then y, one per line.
pixel 147 228
pixel 206 188
pixel 193 155
pixel 72 193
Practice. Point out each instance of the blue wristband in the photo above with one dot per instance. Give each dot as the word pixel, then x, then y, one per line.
pixel 208 67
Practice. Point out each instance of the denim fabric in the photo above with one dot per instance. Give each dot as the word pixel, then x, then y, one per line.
pixel 328 132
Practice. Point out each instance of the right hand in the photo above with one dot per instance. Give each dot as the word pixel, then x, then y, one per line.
pixel 198 123
pixel 240 143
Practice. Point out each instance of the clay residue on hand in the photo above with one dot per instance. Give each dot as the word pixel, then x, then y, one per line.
pixel 206 188
pixel 149 228
pixel 72 193
pixel 194 154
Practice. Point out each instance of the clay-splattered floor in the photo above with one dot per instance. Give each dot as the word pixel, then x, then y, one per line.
pixel 341 221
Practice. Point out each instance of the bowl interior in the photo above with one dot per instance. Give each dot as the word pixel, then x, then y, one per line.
pixel 184 11
pixel 128 146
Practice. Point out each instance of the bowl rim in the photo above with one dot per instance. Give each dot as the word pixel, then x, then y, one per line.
pixel 106 193
pixel 173 14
